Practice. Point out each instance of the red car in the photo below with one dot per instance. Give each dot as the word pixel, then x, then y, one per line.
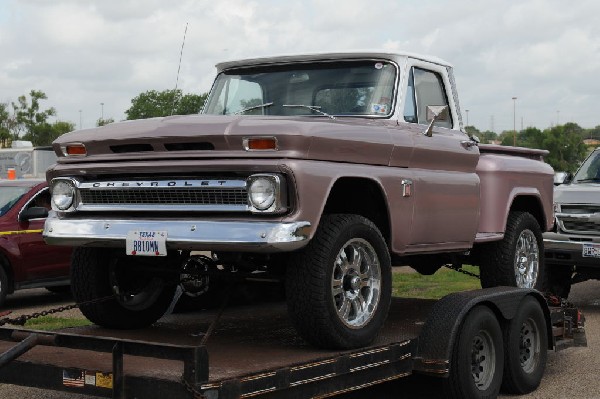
pixel 25 259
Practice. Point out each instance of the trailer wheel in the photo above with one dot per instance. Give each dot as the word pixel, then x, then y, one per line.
pixel 339 287
pixel 526 349
pixel 516 260
pixel 3 285
pixel 139 298
pixel 477 357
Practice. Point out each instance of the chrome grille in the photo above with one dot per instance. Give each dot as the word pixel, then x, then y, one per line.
pixel 211 194
pixel 581 226
pixel 579 218
pixel 179 196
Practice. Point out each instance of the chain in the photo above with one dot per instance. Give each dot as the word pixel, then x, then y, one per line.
pixel 21 320
pixel 458 267
pixel 188 387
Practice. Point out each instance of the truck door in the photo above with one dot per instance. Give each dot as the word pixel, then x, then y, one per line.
pixel 445 187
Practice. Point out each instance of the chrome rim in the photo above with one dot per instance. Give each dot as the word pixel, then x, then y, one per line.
pixel 483 360
pixel 529 346
pixel 526 260
pixel 356 283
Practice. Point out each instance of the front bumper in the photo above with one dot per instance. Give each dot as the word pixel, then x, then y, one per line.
pixel 189 234
pixel 561 249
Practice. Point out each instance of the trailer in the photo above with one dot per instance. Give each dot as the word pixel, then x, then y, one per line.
pixel 475 340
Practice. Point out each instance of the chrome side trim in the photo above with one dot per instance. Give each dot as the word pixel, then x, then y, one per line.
pixel 250 236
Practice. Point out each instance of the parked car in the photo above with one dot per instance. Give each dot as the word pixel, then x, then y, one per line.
pixel 25 259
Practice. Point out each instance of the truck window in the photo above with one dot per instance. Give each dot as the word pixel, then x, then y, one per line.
pixel 238 94
pixel 424 88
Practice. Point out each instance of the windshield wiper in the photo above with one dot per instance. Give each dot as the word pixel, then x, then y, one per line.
pixel 253 107
pixel 314 108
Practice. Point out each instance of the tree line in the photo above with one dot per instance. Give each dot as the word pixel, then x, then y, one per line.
pixel 26 119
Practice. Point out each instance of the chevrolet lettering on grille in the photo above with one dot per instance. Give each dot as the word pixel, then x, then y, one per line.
pixel 163 183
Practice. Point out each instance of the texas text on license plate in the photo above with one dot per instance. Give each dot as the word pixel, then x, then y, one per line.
pixel 146 243
pixel 591 250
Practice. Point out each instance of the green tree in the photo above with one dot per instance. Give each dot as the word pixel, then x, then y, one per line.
pixel 102 122
pixel 45 133
pixel 28 115
pixel 531 138
pixel 5 124
pixel 566 148
pixel 154 103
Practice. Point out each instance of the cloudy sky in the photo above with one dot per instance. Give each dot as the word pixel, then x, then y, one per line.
pixel 84 53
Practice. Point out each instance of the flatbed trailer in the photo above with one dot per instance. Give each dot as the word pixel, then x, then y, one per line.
pixel 255 352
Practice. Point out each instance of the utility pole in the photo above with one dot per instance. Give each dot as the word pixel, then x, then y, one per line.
pixel 514 121
pixel 102 112
pixel 467 111
pixel 79 119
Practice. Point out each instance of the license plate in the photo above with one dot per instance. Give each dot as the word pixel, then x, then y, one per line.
pixel 146 243
pixel 591 250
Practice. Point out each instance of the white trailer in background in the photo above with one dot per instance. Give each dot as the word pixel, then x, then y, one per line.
pixel 28 161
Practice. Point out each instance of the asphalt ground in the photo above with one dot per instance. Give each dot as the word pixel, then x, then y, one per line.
pixel 571 373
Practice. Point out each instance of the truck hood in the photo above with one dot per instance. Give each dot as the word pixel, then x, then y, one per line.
pixel 211 136
pixel 579 193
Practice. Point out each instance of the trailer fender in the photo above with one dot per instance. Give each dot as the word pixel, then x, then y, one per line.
pixel 436 340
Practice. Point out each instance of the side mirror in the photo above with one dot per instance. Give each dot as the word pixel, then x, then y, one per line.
pixel 435 113
pixel 562 178
pixel 35 212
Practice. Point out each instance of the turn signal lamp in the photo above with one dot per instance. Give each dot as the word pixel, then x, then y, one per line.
pixel 260 144
pixel 74 150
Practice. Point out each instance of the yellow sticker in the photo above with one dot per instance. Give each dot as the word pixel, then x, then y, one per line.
pixel 104 380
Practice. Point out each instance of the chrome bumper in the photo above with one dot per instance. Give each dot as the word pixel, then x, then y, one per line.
pixel 189 234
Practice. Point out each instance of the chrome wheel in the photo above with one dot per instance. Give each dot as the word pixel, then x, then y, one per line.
pixel 356 283
pixel 529 346
pixel 526 260
pixel 483 360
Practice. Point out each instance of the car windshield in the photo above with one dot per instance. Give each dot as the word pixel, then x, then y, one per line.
pixel 589 170
pixel 323 89
pixel 9 197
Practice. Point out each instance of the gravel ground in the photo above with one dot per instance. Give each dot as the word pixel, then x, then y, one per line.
pixel 571 373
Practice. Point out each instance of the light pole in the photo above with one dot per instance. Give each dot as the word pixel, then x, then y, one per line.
pixel 557 118
pixel 80 119
pixel 467 111
pixel 514 121
pixel 102 114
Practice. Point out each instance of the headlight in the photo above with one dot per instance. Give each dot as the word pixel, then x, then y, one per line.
pixel 262 192
pixel 63 193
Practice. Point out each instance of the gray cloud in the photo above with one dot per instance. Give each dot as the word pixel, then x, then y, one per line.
pixel 83 53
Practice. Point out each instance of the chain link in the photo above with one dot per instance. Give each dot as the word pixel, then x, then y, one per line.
pixel 458 268
pixel 188 387
pixel 21 320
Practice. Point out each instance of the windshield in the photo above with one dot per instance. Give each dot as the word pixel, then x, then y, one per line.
pixel 589 170
pixel 9 197
pixel 350 88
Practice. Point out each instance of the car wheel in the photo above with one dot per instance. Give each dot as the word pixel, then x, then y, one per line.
pixel 477 357
pixel 339 286
pixel 3 285
pixel 517 260
pixel 526 348
pixel 132 299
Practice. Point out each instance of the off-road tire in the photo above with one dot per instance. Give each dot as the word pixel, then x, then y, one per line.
pixel 479 325
pixel 525 349
pixel 3 284
pixel 309 279
pixel 90 280
pixel 498 258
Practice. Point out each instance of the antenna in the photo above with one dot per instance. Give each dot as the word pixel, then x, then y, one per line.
pixel 178 69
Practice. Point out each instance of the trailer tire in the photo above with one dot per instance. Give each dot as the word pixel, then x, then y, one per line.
pixel 339 286
pixel 95 274
pixel 477 357
pixel 525 349
pixel 3 285
pixel 518 259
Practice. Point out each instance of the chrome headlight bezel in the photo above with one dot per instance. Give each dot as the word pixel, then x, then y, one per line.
pixel 270 185
pixel 63 193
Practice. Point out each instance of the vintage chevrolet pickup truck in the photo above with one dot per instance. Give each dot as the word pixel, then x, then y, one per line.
pixel 319 170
